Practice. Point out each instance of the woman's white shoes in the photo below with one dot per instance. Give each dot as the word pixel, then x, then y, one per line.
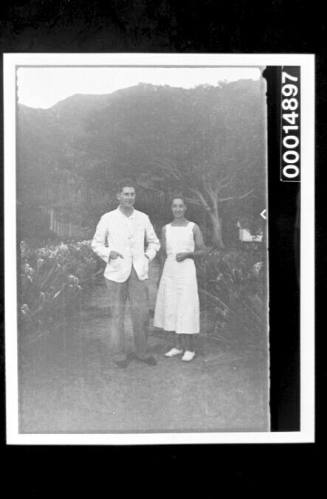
pixel 173 352
pixel 188 356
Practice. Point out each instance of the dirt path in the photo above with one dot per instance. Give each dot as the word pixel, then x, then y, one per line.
pixel 68 382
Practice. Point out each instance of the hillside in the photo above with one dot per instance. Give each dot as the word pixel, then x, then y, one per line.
pixel 93 140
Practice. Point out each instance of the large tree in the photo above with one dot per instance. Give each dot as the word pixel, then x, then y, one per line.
pixel 223 154
pixel 207 142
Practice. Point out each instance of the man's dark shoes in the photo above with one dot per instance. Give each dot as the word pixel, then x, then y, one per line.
pixel 122 363
pixel 132 356
pixel 150 361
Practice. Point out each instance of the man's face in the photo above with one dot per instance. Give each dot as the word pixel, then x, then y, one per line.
pixel 126 197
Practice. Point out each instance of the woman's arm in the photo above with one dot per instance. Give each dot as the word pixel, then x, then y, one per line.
pixel 162 252
pixel 153 244
pixel 200 247
pixel 163 242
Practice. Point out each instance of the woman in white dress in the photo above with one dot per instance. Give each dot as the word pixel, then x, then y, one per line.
pixel 177 304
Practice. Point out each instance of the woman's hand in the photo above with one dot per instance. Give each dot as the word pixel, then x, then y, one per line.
pixel 180 257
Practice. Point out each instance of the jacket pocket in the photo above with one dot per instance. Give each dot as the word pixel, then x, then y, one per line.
pixel 115 264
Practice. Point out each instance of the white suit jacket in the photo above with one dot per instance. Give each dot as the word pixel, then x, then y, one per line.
pixel 133 237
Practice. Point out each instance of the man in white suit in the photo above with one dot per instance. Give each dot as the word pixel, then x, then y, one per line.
pixel 127 242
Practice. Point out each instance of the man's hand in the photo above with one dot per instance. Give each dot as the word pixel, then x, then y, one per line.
pixel 113 255
pixel 180 257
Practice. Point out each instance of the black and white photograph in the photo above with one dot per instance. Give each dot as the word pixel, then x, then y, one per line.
pixel 137 232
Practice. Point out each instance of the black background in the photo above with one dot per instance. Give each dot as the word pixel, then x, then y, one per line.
pixel 284 290
pixel 212 470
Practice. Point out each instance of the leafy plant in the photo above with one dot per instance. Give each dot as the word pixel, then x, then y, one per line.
pixel 51 281
pixel 233 285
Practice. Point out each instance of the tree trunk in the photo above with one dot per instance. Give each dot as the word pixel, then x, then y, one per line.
pixel 213 212
pixel 217 238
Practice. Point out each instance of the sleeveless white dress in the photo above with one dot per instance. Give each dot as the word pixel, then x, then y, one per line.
pixel 177 306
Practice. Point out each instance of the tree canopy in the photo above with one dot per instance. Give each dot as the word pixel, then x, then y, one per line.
pixel 208 142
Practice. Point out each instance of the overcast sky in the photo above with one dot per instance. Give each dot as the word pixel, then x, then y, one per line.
pixel 43 87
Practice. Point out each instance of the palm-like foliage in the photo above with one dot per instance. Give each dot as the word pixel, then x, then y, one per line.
pixel 233 285
pixel 52 279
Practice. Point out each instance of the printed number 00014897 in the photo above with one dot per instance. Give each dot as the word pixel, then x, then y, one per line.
pixel 290 127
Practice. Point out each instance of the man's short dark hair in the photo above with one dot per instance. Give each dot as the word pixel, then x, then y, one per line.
pixel 125 183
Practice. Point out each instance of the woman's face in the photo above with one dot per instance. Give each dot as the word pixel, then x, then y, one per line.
pixel 178 208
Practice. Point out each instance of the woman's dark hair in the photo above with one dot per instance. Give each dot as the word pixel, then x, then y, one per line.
pixel 178 196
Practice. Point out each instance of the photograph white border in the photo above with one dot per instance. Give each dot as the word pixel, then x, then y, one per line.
pixel 307 380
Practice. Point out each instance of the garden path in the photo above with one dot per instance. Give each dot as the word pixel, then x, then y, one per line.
pixel 69 384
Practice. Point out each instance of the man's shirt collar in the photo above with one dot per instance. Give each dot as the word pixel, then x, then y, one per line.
pixel 130 217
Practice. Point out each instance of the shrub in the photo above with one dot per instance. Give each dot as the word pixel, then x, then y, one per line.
pixel 51 281
pixel 232 284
